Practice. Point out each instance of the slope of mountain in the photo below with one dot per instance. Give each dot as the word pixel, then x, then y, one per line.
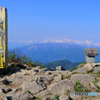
pixel 64 63
pixel 50 52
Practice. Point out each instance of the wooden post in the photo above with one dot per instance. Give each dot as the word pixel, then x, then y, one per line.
pixel 3 37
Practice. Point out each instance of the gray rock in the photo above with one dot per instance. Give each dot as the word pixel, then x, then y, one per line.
pixel 4 81
pixel 3 96
pixel 19 96
pixel 80 70
pixel 82 78
pixel 42 94
pixel 96 69
pixel 58 78
pixel 93 86
pixel 49 97
pixel 98 83
pixel 44 79
pixel 61 86
pixel 64 97
pixel 33 87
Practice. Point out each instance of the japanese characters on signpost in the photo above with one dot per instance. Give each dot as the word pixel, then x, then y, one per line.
pixel 3 37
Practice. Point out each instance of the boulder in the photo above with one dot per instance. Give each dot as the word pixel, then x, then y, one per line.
pixel 80 70
pixel 88 67
pixel 86 78
pixel 33 87
pixel 60 86
pixel 19 96
pixel 96 69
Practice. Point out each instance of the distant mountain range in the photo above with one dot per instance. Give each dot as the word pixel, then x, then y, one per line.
pixel 50 52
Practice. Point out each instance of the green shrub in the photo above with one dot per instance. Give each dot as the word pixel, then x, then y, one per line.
pixel 57 96
pixel 28 91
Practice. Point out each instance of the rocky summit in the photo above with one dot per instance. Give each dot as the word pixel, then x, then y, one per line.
pixel 36 83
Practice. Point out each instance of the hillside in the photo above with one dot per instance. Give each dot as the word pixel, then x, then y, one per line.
pixel 68 65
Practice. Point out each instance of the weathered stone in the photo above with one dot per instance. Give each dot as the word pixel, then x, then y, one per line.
pixel 44 79
pixel 88 67
pixel 33 87
pixel 64 97
pixel 58 78
pixel 96 69
pixel 60 86
pixel 93 86
pixel 98 83
pixel 4 81
pixel 82 78
pixel 49 97
pixel 19 96
pixel 80 70
pixel 42 94
pixel 2 96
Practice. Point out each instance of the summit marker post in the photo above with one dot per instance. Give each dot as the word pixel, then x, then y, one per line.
pixel 3 37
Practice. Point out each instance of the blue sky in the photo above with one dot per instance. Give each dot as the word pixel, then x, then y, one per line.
pixel 32 21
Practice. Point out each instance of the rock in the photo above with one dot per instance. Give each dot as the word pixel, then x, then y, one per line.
pixel 64 97
pixel 19 96
pixel 49 97
pixel 95 64
pixel 50 78
pixel 96 69
pixel 88 67
pixel 30 78
pixel 98 84
pixel 41 72
pixel 43 79
pixel 48 73
pixel 86 78
pixel 60 86
pixel 3 96
pixel 58 78
pixel 93 86
pixel 42 94
pixel 80 70
pixel 33 87
pixel 4 81
pixel 16 80
pixel 59 68
pixel 1 91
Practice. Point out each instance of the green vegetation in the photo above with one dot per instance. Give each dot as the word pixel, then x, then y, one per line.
pixel 95 81
pixel 68 76
pixel 55 75
pixel 17 57
pixel 84 62
pixel 90 71
pixel 28 91
pixel 57 96
pixel 74 73
pixel 79 87
pixel 64 63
